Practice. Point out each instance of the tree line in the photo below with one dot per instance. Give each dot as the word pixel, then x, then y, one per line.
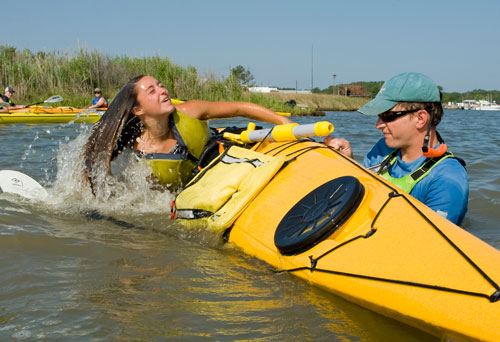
pixel 373 88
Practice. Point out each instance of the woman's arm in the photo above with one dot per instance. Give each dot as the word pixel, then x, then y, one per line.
pixel 205 110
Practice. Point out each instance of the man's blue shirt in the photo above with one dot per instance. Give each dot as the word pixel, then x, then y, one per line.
pixel 445 189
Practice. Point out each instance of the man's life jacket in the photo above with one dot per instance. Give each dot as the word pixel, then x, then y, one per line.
pixel 406 183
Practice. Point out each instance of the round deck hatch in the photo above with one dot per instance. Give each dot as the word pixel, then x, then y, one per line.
pixel 318 215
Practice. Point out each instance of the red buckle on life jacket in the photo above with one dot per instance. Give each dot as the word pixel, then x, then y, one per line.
pixel 172 210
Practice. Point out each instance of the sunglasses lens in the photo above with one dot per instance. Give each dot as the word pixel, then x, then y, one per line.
pixel 388 117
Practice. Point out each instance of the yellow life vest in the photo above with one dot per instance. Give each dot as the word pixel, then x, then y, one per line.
pixel 222 190
pixel 172 169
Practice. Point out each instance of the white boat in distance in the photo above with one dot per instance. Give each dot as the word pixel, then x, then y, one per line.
pixel 479 105
pixel 486 105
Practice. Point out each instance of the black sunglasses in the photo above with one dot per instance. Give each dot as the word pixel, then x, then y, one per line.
pixel 390 116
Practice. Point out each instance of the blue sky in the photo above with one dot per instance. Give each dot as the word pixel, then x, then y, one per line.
pixel 454 42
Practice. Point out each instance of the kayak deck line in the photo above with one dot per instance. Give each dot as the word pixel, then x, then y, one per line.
pixel 393 255
pixel 394 194
pixel 313 266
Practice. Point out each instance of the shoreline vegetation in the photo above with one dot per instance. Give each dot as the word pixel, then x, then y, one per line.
pixel 318 103
pixel 39 75
pixel 36 76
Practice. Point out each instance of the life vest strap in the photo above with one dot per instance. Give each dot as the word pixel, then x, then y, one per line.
pixel 428 165
pixel 192 213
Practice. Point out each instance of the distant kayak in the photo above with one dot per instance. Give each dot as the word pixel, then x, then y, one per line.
pixel 47 115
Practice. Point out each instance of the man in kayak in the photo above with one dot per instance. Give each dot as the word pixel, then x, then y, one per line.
pixel 7 97
pixel 98 101
pixel 170 138
pixel 412 154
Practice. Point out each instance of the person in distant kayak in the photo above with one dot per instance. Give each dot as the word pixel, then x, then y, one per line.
pixel 99 101
pixel 7 97
pixel 412 154
pixel 143 118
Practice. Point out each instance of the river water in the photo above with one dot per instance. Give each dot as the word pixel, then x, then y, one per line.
pixel 67 276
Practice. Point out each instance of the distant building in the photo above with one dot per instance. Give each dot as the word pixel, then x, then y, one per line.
pixel 353 90
pixel 291 91
pixel 263 89
pixel 276 90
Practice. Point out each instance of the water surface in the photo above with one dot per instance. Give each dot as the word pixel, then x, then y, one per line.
pixel 67 276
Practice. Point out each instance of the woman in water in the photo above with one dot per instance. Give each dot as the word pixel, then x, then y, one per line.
pixel 171 138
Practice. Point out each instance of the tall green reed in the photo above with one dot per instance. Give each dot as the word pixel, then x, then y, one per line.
pixel 74 75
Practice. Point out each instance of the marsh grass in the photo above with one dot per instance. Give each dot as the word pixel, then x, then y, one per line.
pixel 322 101
pixel 38 75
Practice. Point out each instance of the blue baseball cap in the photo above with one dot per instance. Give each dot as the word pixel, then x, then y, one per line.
pixel 405 87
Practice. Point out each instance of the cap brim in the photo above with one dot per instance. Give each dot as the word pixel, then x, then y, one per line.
pixel 377 106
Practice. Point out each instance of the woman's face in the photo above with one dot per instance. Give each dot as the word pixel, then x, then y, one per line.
pixel 152 98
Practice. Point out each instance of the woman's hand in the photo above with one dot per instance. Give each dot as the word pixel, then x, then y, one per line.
pixel 338 144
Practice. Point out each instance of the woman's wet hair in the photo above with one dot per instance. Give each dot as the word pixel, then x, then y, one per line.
pixel 116 129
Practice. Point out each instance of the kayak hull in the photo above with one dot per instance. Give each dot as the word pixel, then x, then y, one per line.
pixel 44 115
pixel 392 254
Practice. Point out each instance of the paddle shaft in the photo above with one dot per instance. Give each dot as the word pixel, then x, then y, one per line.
pixel 36 103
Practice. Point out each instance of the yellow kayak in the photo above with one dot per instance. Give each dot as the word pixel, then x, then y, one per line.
pixel 326 219
pixel 47 115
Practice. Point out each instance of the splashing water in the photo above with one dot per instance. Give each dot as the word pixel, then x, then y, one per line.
pixel 127 191
pixel 125 198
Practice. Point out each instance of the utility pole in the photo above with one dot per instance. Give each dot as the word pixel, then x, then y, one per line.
pixel 312 67
pixel 333 89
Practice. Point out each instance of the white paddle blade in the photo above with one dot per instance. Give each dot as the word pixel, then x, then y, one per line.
pixel 54 99
pixel 18 183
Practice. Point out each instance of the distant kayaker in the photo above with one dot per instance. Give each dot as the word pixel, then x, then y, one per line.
pixel 7 97
pixel 143 118
pixel 99 101
pixel 412 154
